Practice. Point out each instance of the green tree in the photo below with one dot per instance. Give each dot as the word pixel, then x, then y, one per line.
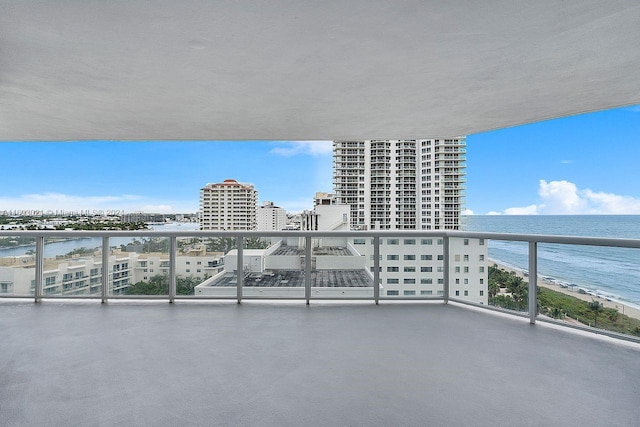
pixel 159 285
pixel 596 307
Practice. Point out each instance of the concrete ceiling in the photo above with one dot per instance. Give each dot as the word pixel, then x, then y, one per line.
pixel 308 69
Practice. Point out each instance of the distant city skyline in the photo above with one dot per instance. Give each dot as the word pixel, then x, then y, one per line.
pixel 585 164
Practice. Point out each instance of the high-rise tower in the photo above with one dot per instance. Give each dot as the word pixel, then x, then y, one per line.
pixel 401 184
pixel 229 205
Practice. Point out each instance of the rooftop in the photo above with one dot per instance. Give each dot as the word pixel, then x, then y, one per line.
pixel 325 250
pixel 261 364
pixel 295 278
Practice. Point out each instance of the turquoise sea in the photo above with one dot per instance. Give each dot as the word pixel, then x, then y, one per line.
pixel 609 272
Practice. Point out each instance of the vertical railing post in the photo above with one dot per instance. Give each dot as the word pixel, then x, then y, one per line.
pixel 533 282
pixel 105 268
pixel 239 267
pixel 307 268
pixel 445 267
pixel 376 269
pixel 172 269
pixel 39 268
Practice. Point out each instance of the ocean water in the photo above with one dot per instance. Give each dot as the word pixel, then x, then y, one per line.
pixel 610 272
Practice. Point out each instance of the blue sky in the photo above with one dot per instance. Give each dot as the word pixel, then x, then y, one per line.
pixel 586 164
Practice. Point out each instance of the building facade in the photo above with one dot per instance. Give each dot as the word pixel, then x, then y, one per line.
pixel 229 205
pixel 270 217
pixel 83 275
pixel 401 184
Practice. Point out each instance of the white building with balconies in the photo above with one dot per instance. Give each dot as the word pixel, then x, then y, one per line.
pixel 401 184
pixel 229 206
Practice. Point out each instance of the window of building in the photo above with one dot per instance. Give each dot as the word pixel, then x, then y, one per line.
pixel 440 241
pixel 391 281
pixel 481 293
pixel 409 257
pixel 424 281
pixel 466 242
pixel 393 269
pixel 466 293
pixel 482 281
pixel 440 281
pixel 426 292
pixel 359 241
pixel 393 293
pixel 440 257
pixel 393 257
pixel 466 269
pixel 457 269
pixel 426 269
pixel 409 292
pixel 481 269
pixel 426 257
pixel 409 269
pixel 481 242
pixel 393 241
pixel 440 269
pixel 465 258
pixel 409 241
pixel 409 281
pixel 481 257
pixel 466 281
pixel 457 293
pixel 426 242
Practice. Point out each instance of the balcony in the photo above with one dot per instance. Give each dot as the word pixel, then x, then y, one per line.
pixel 339 361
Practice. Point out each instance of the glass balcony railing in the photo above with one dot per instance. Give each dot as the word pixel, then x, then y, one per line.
pixel 365 265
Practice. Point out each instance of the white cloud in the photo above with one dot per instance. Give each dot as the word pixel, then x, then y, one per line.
pixel 565 198
pixel 525 210
pixel 494 213
pixel 294 148
pixel 467 212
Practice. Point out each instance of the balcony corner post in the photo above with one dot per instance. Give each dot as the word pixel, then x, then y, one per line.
pixel 105 269
pixel 172 269
pixel 445 267
pixel 39 268
pixel 239 267
pixel 376 269
pixel 307 268
pixel 533 282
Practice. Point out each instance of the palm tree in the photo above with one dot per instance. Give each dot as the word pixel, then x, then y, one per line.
pixel 596 307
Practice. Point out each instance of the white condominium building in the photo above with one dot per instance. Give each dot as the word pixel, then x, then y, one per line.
pixel 401 184
pixel 229 205
pixel 271 217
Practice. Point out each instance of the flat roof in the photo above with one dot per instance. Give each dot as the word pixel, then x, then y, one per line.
pixel 324 250
pixel 295 278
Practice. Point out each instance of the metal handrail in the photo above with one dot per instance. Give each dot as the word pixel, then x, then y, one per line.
pixel 532 239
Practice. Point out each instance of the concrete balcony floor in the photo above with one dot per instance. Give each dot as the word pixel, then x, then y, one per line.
pixel 79 363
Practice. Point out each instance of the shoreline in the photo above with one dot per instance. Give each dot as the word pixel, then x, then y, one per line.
pixel 546 283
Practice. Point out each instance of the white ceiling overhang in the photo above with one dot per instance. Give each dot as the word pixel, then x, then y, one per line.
pixel 308 69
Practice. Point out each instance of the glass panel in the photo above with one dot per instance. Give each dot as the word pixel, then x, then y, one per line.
pixel 140 267
pixel 200 263
pixel 508 283
pixel 590 285
pixel 17 266
pixel 342 268
pixel 68 267
pixel 468 270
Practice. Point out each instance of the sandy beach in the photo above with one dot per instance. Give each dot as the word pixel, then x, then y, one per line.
pixel 622 308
